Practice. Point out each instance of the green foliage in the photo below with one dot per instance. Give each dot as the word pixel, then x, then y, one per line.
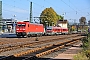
pixel 80 56
pixel 60 17
pixel 86 46
pixel 73 29
pixel 89 41
pixel 85 43
pixel 87 53
pixel 50 16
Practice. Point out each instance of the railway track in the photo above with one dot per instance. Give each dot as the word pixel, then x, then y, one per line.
pixel 9 47
pixel 4 41
pixel 36 52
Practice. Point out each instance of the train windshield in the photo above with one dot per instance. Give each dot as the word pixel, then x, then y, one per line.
pixel 21 25
pixel 49 29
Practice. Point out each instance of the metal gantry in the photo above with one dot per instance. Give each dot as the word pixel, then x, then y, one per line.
pixel 30 12
pixel 0 15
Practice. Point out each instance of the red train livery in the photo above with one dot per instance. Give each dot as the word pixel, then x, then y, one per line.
pixel 28 29
pixel 56 30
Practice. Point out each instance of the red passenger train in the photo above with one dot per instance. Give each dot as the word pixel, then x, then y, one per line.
pixel 28 29
pixel 54 30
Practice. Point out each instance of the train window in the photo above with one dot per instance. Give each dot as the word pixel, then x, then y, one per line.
pixel 49 29
pixel 28 25
pixel 21 25
pixel 64 29
pixel 58 29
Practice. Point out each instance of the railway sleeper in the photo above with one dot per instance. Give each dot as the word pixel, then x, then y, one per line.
pixel 45 52
pixel 49 51
pixel 35 50
pixel 71 42
pixel 21 45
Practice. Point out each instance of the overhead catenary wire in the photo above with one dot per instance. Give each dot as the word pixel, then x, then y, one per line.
pixel 14 7
pixel 64 12
pixel 68 5
pixel 76 10
pixel 41 6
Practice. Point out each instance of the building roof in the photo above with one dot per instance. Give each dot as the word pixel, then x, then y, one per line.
pixel 62 21
pixel 9 20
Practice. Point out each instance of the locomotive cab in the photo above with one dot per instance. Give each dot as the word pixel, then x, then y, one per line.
pixel 21 29
pixel 53 30
pixel 49 31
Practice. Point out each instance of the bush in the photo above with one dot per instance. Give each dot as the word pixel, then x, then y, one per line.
pixel 85 44
pixel 80 56
pixel 87 53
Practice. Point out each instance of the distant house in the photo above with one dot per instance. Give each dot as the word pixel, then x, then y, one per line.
pixel 62 23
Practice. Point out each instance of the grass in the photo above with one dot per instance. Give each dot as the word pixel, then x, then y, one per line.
pixel 80 56
pixel 85 54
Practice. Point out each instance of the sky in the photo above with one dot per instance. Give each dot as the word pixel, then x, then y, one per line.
pixel 72 10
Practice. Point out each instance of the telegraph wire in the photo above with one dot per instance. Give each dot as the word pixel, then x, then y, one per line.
pixel 51 3
pixel 37 4
pixel 64 12
pixel 41 6
pixel 79 11
pixel 15 7
pixel 73 9
pixel 68 5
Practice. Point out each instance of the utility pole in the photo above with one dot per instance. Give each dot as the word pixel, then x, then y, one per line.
pixel 30 12
pixel 14 24
pixel 0 15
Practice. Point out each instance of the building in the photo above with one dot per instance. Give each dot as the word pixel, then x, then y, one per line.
pixel 8 25
pixel 62 23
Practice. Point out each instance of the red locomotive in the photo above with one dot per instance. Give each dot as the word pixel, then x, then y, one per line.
pixel 56 30
pixel 28 29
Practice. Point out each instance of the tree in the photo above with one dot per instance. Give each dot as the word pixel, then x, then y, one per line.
pixel 82 20
pixel 50 16
pixel 60 17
